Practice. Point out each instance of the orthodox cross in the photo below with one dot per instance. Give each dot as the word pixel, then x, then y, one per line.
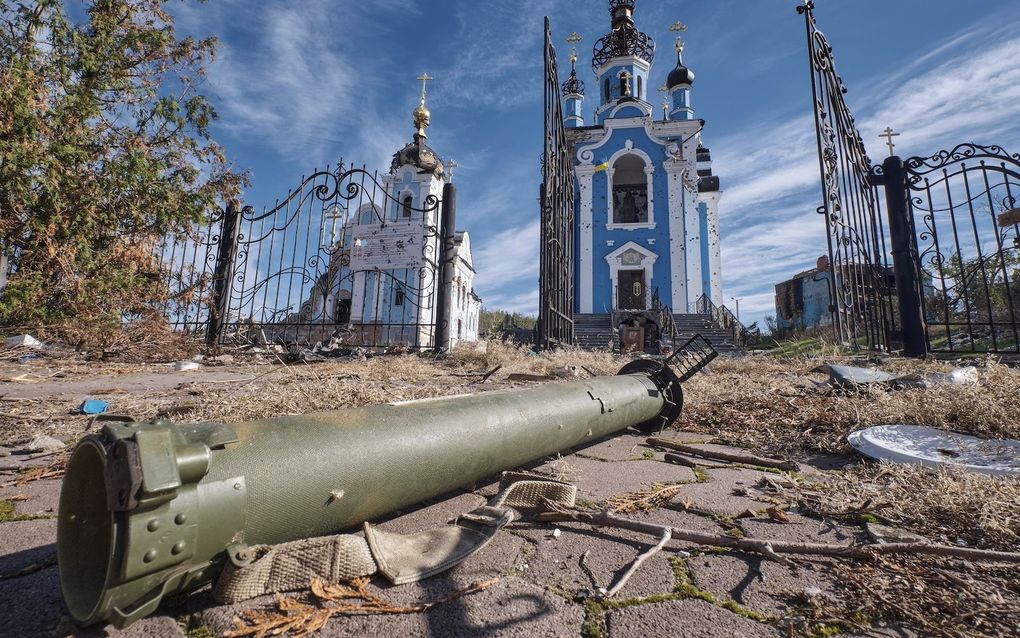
pixel 888 135
pixel 678 28
pixel 424 77
pixel 665 101
pixel 573 39
pixel 450 166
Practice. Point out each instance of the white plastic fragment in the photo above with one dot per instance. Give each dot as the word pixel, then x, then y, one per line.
pixel 932 447
pixel 43 443
pixel 22 341
pixel 184 366
pixel 556 533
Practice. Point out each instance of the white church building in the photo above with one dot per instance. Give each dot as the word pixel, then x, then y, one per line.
pixel 386 267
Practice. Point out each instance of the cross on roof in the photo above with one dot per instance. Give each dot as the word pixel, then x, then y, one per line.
pixel 888 135
pixel 424 77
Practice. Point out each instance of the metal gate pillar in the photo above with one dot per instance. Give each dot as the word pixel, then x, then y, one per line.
pixel 906 262
pixel 447 268
pixel 223 273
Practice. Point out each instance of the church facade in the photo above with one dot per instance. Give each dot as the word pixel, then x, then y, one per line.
pixel 383 279
pixel 646 202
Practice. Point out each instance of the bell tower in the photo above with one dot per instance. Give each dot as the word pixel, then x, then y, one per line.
pixel 622 60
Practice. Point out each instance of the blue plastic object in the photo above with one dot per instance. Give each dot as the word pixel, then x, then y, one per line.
pixel 94 406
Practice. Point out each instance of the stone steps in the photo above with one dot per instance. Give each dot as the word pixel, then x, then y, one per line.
pixel 595 331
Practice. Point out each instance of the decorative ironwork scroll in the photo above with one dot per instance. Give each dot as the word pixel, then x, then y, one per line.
pixel 860 276
pixel 556 268
pixel 969 245
pixel 340 259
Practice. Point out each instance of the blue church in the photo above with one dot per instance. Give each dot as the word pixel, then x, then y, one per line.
pixel 646 202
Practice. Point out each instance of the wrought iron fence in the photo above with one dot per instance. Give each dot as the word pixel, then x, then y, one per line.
pixel 953 284
pixel 556 267
pixel 339 260
pixel 964 204
pixel 861 282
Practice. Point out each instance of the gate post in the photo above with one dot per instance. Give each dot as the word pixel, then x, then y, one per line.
pixel 223 273
pixel 906 263
pixel 447 268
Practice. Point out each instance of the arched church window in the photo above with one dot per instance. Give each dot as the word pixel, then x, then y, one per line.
pixel 607 89
pixel 630 191
pixel 624 89
pixel 398 296
pixel 406 210
pixel 639 87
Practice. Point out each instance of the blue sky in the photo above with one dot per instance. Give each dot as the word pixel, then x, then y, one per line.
pixel 300 84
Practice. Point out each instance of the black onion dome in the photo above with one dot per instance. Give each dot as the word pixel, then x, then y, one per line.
pixel 679 75
pixel 419 155
pixel 573 86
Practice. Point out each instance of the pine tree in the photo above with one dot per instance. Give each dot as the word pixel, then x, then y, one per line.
pixel 105 148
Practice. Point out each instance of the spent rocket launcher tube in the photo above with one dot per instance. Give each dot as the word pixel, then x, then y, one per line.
pixel 148 508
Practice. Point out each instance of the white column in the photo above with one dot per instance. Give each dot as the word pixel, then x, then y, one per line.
pixel 649 171
pixel 586 264
pixel 609 195
pixel 711 201
pixel 677 252
pixel 692 237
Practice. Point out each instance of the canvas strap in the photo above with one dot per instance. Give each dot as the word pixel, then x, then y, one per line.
pixel 401 558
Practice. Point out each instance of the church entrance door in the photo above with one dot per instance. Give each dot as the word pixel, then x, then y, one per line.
pixel 630 290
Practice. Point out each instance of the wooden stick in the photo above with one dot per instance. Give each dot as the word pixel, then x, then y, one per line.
pixel 748 459
pixel 758 546
pixel 485 377
pixel 679 460
pixel 667 534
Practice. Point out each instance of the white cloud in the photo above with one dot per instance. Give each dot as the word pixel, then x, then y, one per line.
pixel 507 257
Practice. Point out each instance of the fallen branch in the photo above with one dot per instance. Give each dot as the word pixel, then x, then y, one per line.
pixel 618 585
pixel 679 460
pixel 747 459
pixel 771 548
pixel 485 377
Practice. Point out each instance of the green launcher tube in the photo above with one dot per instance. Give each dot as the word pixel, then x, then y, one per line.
pixel 148 509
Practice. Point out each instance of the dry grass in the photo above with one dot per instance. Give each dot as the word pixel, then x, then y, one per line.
pixel 296 618
pixel 947 506
pixel 773 405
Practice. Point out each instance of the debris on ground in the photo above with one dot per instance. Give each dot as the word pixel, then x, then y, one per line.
pixel 42 443
pixel 933 447
pixel 186 366
pixel 22 341
pixel 851 377
pixel 93 406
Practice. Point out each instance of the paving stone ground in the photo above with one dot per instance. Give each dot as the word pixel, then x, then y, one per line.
pixel 542 579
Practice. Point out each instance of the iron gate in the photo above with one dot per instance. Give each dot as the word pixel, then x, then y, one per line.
pixel 860 278
pixel 556 266
pixel 340 259
pixel 953 225
pixel 964 209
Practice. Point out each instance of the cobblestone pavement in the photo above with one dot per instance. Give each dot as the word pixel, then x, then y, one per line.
pixel 547 584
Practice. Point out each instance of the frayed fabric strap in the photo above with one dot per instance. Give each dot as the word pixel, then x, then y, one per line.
pixel 265 569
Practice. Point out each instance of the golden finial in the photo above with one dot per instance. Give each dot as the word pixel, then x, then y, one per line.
pixel 421 114
pixel 678 28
